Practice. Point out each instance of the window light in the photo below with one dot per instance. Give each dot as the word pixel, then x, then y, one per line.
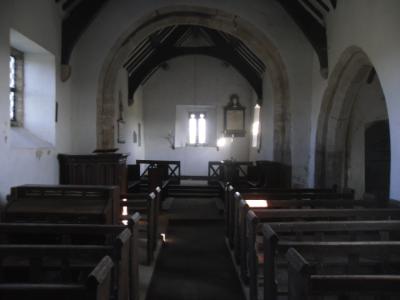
pixel 255 130
pixel 12 65
pixel 125 210
pixel 12 71
pixel 192 129
pixel 202 129
pixel 257 203
pixel 221 142
pixel 197 128
pixel 163 237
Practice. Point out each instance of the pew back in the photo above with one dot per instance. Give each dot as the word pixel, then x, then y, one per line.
pixel 306 281
pixel 338 237
pixel 64 204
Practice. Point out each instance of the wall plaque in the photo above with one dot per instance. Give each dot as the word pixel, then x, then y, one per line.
pixel 234 118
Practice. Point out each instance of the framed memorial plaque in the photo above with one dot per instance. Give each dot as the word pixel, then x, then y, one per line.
pixel 234 118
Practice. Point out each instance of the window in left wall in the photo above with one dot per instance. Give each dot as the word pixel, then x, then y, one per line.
pixel 16 64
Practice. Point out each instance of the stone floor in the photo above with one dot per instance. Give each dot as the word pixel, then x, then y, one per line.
pixel 195 262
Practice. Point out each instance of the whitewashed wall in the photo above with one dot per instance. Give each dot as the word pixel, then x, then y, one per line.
pixel 40 22
pixel 265 151
pixel 132 116
pixel 193 80
pixel 369 107
pixel 372 26
pixel 266 15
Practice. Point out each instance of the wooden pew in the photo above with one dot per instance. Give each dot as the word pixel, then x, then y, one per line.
pixel 102 168
pixel 72 204
pixel 155 177
pixel 147 204
pixel 233 198
pixel 27 263
pixel 244 207
pixel 228 193
pixel 82 234
pixel 64 204
pixel 274 174
pixel 306 280
pixel 239 230
pixel 277 237
pixel 96 286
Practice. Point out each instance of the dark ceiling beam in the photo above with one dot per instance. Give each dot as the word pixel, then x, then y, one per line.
pixel 371 76
pixel 323 5
pixel 67 4
pixel 143 47
pixel 314 31
pixel 238 61
pixel 252 59
pixel 243 51
pixel 167 42
pixel 76 23
pixel 167 53
pixel 134 67
pixel 230 47
pixel 313 9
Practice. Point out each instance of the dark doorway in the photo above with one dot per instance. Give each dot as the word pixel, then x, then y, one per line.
pixel 377 159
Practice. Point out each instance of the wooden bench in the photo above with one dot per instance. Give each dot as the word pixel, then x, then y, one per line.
pixel 155 178
pixel 80 234
pixel 63 204
pixel 102 168
pixel 233 198
pixel 97 285
pixel 244 207
pixel 27 263
pixel 277 237
pixel 307 281
pixel 147 204
pixel 239 239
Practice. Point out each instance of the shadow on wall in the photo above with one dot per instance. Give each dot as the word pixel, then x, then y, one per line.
pixel 351 101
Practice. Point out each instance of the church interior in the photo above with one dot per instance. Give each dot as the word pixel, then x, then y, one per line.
pixel 190 150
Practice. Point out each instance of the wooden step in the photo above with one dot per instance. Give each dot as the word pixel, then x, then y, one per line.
pixel 192 192
pixel 193 195
pixel 194 188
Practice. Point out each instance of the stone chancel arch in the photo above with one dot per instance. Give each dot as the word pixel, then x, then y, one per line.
pixel 212 19
pixel 353 72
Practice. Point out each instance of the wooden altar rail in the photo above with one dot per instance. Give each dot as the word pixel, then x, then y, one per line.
pixel 171 169
pixel 228 170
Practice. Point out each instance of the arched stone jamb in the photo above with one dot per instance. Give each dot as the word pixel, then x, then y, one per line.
pixel 344 84
pixel 214 19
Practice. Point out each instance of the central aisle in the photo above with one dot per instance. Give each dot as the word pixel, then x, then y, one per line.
pixel 195 263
